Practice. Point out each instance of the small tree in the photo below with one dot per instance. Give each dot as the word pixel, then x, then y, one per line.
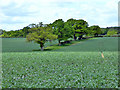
pixel 40 35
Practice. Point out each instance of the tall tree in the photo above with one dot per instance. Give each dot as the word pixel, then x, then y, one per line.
pixel 95 30
pixel 70 24
pixel 68 31
pixel 80 28
pixel 40 35
pixel 58 27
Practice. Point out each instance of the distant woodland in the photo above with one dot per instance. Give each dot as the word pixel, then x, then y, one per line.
pixel 76 28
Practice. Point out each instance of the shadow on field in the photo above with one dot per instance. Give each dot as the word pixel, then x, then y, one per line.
pixel 34 50
pixel 44 50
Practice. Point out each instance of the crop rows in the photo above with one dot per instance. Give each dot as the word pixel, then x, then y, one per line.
pixel 79 65
pixel 53 69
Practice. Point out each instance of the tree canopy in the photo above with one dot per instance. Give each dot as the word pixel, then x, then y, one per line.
pixel 40 35
pixel 95 30
pixel 58 28
pixel 80 28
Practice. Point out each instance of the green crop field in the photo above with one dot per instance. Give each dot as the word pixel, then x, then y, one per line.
pixel 78 65
pixel 21 45
pixel 94 45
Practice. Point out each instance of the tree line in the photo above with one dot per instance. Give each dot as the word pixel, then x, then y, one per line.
pixel 60 30
pixel 79 27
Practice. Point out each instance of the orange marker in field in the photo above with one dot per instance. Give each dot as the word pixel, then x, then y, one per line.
pixel 102 55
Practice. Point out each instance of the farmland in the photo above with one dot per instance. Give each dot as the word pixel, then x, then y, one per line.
pixel 21 45
pixel 78 65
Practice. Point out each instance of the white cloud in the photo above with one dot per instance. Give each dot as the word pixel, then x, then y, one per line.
pixel 4 2
pixel 15 14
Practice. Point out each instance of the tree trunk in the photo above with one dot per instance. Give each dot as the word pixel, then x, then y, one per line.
pixel 80 37
pixel 96 35
pixel 42 48
pixel 59 43
pixel 75 37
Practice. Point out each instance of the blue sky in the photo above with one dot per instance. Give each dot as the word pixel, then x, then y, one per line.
pixel 16 14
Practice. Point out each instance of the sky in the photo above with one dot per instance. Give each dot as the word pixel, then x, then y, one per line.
pixel 16 14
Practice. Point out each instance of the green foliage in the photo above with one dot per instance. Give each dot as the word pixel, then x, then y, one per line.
pixel 40 35
pixel 112 32
pixel 72 27
pixel 71 23
pixel 104 31
pixel 18 33
pixel 25 31
pixel 58 27
pixel 68 31
pixel 95 30
pixel 80 28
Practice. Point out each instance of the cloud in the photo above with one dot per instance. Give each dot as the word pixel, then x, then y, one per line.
pixel 119 13
pixel 14 9
pixel 15 14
